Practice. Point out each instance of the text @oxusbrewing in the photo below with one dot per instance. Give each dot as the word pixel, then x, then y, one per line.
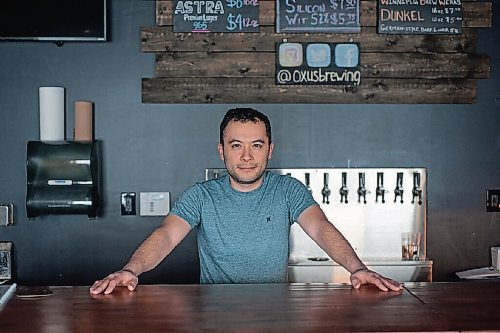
pixel 317 76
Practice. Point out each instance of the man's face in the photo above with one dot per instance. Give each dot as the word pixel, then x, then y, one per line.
pixel 245 153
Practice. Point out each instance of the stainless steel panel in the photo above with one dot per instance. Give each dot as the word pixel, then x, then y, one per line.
pixel 373 228
pixel 331 272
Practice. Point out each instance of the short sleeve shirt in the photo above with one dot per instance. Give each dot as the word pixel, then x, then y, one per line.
pixel 243 237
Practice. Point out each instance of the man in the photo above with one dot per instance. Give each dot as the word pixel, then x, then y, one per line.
pixel 243 219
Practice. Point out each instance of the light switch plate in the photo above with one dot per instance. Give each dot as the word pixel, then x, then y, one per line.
pixel 154 203
pixel 493 200
pixel 127 201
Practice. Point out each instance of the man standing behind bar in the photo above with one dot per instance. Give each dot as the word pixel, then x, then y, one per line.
pixel 243 219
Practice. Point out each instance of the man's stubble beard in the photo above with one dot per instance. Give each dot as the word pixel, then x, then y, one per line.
pixel 237 179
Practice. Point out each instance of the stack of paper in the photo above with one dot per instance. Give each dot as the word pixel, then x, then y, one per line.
pixel 480 273
pixel 6 292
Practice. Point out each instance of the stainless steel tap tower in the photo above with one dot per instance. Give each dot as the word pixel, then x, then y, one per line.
pixel 372 207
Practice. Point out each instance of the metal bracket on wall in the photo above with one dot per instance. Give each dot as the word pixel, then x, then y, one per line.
pixel 6 214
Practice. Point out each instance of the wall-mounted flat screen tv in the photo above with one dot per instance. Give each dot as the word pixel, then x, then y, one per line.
pixel 53 20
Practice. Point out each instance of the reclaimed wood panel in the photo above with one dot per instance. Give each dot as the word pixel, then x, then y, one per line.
pixel 475 14
pixel 374 65
pixel 239 67
pixel 263 90
pixel 160 39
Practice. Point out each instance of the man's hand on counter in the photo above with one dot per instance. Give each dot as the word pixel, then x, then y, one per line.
pixel 122 278
pixel 366 276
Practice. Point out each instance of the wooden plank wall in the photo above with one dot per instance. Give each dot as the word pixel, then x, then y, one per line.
pixel 239 67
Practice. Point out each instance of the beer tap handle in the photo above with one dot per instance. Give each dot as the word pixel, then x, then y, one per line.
pixel 326 190
pixel 417 190
pixel 308 183
pixel 361 188
pixel 380 190
pixel 344 191
pixel 398 191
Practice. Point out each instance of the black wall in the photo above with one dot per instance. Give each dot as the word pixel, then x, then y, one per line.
pixel 167 147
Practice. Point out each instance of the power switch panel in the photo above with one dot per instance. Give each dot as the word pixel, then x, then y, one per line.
pixel 127 200
pixel 493 200
pixel 155 203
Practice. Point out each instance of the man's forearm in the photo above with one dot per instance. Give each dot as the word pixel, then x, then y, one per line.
pixel 150 253
pixel 338 248
pixel 158 245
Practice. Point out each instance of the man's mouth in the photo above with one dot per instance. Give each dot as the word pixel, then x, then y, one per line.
pixel 247 167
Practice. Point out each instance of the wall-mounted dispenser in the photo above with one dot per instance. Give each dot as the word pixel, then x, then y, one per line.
pixel 63 177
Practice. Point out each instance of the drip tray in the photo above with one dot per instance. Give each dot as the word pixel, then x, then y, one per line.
pixel 324 270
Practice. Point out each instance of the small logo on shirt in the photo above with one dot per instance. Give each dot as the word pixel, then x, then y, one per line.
pixel 268 219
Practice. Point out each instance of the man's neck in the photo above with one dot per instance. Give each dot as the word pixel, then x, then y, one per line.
pixel 246 187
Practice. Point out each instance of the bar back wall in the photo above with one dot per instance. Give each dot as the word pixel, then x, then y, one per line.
pixel 166 147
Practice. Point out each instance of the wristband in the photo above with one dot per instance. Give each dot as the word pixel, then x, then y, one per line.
pixel 360 269
pixel 128 270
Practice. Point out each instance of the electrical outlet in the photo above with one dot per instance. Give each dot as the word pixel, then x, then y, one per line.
pixel 493 200
pixel 127 200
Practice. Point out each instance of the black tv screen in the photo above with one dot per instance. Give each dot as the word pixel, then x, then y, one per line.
pixel 53 20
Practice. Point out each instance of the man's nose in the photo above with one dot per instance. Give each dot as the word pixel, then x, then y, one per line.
pixel 246 154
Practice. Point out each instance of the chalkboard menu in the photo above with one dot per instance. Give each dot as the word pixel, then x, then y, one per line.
pixel 420 17
pixel 216 16
pixel 340 16
pixel 317 64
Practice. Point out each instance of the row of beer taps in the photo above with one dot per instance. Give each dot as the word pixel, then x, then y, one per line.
pixel 362 191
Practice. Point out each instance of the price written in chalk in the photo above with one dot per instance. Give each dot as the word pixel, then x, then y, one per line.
pixel 420 16
pixel 216 16
pixel 240 3
pixel 238 22
pixel 317 16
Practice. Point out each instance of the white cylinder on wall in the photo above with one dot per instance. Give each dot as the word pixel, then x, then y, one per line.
pixel 51 104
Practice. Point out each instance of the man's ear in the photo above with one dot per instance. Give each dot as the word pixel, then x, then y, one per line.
pixel 271 147
pixel 220 148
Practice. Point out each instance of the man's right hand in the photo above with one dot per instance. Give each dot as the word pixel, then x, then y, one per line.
pixel 117 279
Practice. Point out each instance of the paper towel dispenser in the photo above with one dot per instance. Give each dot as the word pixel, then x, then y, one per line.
pixel 63 177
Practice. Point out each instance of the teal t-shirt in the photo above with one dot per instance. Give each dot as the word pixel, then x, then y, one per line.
pixel 243 237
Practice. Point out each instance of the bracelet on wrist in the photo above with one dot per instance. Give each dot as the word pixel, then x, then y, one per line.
pixel 360 269
pixel 128 270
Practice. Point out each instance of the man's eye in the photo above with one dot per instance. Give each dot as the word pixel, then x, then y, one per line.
pixel 235 145
pixel 257 145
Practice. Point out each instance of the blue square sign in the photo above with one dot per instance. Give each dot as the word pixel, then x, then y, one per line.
pixel 318 55
pixel 346 55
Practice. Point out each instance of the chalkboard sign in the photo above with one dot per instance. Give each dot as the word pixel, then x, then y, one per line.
pixel 420 17
pixel 216 16
pixel 340 16
pixel 317 64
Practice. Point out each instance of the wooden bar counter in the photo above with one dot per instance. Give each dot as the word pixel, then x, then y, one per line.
pixel 284 308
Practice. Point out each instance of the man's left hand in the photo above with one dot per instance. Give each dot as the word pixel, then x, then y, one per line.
pixel 366 276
